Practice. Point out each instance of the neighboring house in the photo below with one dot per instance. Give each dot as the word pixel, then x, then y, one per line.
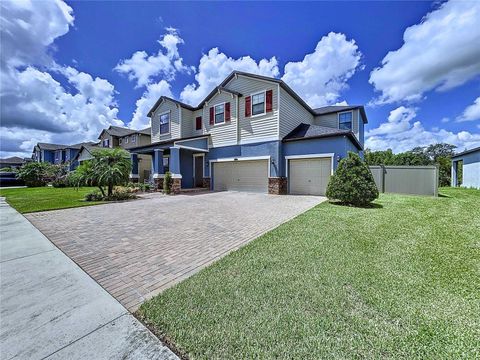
pixel 85 152
pixel 14 162
pixel 58 154
pixel 470 168
pixel 116 136
pixel 251 133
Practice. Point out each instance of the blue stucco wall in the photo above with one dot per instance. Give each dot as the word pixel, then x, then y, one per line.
pixel 186 168
pixel 337 145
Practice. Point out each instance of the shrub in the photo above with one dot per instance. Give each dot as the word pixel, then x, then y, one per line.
pixel 121 193
pixel 167 182
pixel 60 182
pixel 36 174
pixel 7 169
pixel 352 183
pixel 94 195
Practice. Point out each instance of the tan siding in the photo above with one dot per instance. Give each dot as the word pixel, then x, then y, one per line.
pixel 187 123
pixel 255 127
pixel 221 134
pixel 174 110
pixel 292 113
pixel 329 120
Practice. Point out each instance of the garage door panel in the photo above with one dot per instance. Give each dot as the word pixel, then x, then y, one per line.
pixel 309 176
pixel 241 176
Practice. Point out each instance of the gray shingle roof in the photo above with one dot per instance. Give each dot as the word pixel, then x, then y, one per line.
pixel 466 152
pixel 12 160
pixel 47 146
pixel 336 108
pixel 308 131
pixel 122 131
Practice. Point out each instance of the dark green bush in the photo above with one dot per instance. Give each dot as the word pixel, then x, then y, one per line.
pixel 352 183
pixel 167 183
pixel 121 193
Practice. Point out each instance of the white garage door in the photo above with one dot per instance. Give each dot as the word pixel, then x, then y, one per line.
pixel 309 176
pixel 248 175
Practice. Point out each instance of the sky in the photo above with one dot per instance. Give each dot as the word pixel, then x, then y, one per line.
pixel 70 69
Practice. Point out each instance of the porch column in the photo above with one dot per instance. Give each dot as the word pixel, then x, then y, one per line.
pixel 175 169
pixel 134 170
pixel 157 163
pixel 454 173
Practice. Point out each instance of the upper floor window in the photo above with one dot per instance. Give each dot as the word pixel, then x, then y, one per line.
pixel 345 121
pixel 126 140
pixel 164 123
pixel 198 123
pixel 134 139
pixel 220 114
pixel 258 103
pixel 106 143
pixel 120 141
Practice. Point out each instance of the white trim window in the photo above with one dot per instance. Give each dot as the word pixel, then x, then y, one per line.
pixel 219 115
pixel 164 120
pixel 126 140
pixel 120 141
pixel 134 139
pixel 345 120
pixel 106 143
pixel 258 103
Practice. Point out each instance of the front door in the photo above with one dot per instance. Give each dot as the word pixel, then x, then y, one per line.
pixel 198 172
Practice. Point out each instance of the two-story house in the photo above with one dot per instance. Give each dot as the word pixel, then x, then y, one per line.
pixel 251 133
pixel 116 136
pixel 57 153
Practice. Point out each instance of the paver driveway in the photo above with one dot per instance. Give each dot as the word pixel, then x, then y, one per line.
pixel 137 249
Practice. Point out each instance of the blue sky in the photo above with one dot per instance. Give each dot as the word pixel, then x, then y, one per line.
pixel 326 51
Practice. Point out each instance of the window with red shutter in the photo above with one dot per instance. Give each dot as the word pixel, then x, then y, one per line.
pixel 248 106
pixel 198 123
pixel 227 111
pixel 211 116
pixel 269 101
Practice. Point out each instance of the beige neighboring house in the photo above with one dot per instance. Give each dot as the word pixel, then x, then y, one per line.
pixel 116 136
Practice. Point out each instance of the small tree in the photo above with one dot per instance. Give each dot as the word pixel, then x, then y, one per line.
pixel 353 182
pixel 108 168
pixel 167 183
pixel 36 174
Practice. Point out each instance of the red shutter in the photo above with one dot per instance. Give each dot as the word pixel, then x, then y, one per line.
pixel 268 101
pixel 248 106
pixel 198 123
pixel 227 111
pixel 211 116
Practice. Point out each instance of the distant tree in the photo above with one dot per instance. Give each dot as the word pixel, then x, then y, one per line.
pixel 36 174
pixel 441 150
pixel 379 157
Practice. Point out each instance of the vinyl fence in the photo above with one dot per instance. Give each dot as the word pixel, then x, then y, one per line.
pixel 418 180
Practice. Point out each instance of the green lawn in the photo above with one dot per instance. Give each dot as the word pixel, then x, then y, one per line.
pixel 27 200
pixel 400 280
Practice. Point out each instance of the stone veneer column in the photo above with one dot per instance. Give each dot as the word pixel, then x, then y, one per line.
pixel 277 185
pixel 206 183
pixel 176 185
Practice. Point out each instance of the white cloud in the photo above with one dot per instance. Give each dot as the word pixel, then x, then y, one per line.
pixel 322 75
pixel 440 53
pixel 35 106
pixel 146 102
pixel 402 132
pixel 216 66
pixel 472 112
pixel 143 68
pixel 445 120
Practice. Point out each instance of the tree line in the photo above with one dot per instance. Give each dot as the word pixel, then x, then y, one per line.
pixel 435 154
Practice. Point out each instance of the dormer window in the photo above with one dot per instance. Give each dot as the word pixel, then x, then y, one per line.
pixel 165 123
pixel 258 103
pixel 345 120
pixel 220 114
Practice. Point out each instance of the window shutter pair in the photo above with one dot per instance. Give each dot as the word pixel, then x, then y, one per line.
pixel 268 103
pixel 226 110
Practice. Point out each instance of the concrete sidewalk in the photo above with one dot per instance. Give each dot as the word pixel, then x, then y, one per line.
pixel 51 309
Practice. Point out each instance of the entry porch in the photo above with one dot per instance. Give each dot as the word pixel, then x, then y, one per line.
pixel 184 159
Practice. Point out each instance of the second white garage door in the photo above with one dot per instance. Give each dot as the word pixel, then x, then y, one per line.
pixel 247 175
pixel 309 176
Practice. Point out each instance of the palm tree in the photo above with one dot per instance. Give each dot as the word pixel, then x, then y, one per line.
pixel 110 167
